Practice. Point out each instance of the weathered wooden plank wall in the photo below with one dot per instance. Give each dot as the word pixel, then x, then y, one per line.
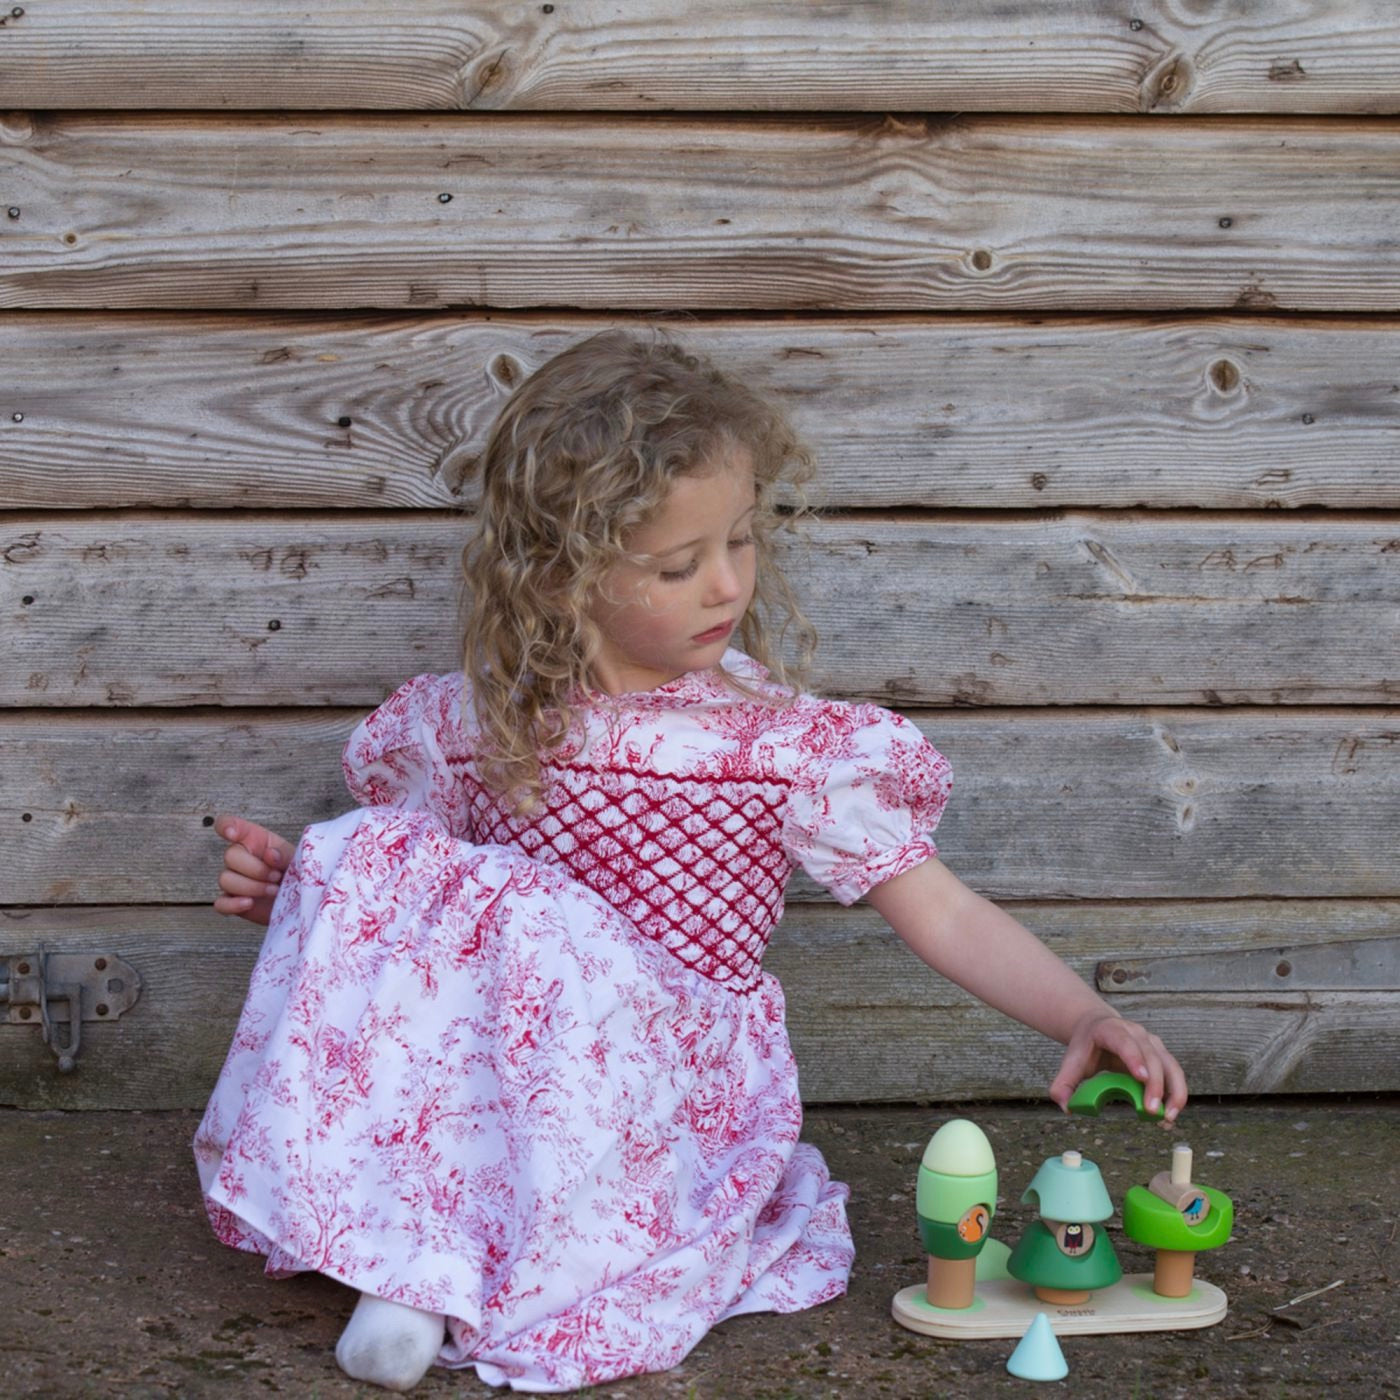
pixel 1102 373
pixel 680 214
pixel 1081 607
pixel 192 410
pixel 865 55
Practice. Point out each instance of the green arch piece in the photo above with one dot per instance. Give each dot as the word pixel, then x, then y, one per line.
pixel 1109 1086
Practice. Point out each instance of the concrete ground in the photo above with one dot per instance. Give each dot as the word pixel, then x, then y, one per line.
pixel 112 1285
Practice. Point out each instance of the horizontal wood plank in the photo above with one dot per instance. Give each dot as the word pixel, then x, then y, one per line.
pixel 1073 608
pixel 868 1022
pixel 966 55
pixel 284 411
pixel 1098 804
pixel 1078 213
pixel 843 973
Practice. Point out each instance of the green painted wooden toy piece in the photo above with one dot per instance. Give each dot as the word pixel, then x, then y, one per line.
pixel 1151 1221
pixel 1110 1086
pixel 1039 1261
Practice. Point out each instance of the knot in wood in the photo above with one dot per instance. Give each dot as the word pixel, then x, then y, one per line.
pixel 1171 84
pixel 16 128
pixel 1225 376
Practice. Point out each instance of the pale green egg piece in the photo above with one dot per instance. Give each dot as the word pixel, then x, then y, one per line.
pixel 959 1148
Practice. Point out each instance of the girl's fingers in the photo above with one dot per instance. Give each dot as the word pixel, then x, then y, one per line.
pixel 256 911
pixel 1131 1045
pixel 249 835
pixel 244 887
pixel 242 862
pixel 1071 1071
pixel 1176 1088
pixel 1164 1081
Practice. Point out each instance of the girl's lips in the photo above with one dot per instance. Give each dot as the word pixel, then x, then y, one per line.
pixel 715 633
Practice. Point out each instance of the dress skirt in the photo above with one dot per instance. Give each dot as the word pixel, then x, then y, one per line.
pixel 465 1082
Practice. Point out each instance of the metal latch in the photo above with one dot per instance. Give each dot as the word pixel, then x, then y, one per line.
pixel 54 989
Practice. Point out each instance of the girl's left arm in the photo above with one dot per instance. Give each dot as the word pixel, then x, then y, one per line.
pixel 985 951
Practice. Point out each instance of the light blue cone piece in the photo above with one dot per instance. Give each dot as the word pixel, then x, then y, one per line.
pixel 1038 1356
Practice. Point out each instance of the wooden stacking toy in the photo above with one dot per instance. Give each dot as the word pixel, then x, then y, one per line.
pixel 1178 1219
pixel 956 1198
pixel 1062 1255
pixel 1064 1265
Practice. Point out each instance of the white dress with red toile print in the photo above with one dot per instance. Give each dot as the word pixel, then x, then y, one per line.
pixel 528 1072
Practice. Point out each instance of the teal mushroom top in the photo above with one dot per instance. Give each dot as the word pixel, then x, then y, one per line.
pixel 1069 1187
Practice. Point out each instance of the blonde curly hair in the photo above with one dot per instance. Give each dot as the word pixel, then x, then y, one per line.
pixel 583 453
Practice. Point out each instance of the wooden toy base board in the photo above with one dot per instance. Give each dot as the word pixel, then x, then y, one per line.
pixel 1005 1308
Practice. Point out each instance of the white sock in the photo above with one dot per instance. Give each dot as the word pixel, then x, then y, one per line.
pixel 389 1344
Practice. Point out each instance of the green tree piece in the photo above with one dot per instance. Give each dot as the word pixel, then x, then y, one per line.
pixel 1111 1086
pixel 1157 1224
pixel 957 1180
pixel 1177 1217
pixel 1062 1255
pixel 1039 1261
pixel 955 1198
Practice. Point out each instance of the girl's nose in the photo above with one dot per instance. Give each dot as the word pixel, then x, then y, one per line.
pixel 724 583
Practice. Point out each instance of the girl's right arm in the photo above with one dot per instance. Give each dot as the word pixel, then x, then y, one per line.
pixel 254 860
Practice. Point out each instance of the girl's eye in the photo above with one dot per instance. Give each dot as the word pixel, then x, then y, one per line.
pixel 679 575
pixel 742 543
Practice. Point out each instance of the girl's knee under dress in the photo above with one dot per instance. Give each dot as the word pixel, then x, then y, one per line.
pixel 526 1071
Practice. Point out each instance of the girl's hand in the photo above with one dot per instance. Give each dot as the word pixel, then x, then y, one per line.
pixel 1105 1040
pixel 254 861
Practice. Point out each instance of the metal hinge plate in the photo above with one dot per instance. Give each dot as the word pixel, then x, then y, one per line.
pixel 65 989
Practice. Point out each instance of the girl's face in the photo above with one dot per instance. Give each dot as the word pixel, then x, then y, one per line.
pixel 673 608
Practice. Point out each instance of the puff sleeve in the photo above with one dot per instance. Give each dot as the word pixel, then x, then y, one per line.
pixel 399 755
pixel 869 790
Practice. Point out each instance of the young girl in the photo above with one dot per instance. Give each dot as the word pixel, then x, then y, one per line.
pixel 509 1065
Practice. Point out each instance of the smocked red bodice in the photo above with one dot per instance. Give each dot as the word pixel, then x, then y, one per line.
pixel 697 864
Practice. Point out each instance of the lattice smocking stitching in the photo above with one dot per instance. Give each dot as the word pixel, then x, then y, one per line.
pixel 695 863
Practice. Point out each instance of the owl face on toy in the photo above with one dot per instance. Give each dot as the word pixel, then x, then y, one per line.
pixel 1073 1240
